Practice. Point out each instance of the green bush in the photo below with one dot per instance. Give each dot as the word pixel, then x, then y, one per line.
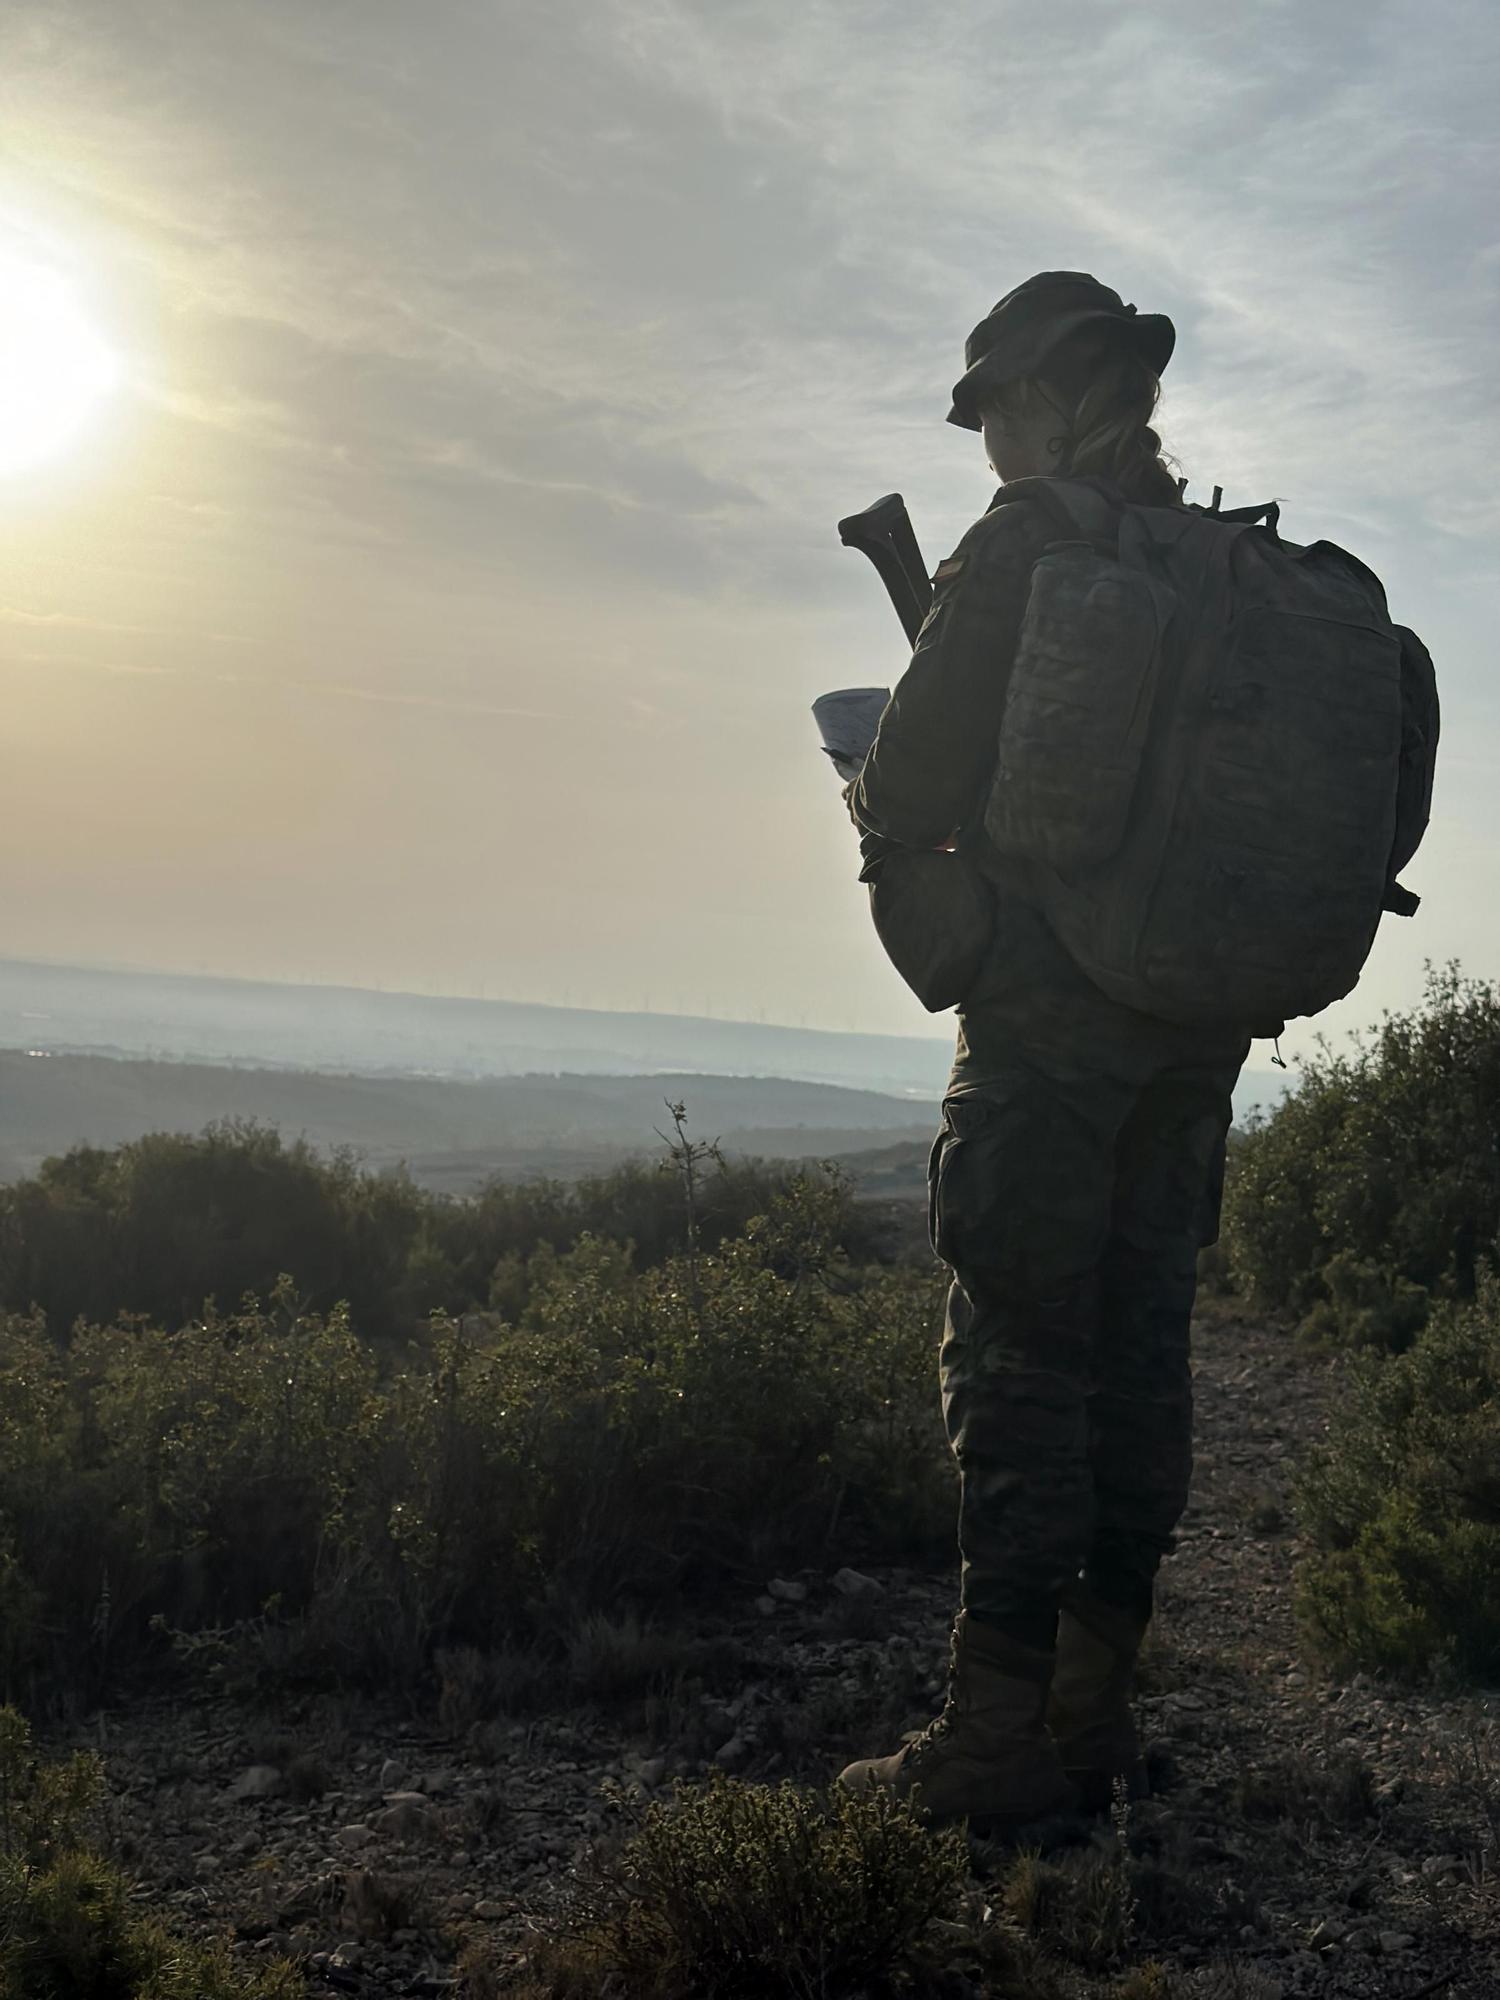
pixel 1375 1188
pixel 162 1225
pixel 631 1435
pixel 68 1928
pixel 1403 1504
pixel 743 1891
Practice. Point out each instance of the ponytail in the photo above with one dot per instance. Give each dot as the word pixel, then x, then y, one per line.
pixel 1112 433
pixel 1106 395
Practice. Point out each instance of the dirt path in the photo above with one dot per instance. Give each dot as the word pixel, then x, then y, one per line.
pixel 1355 1824
pixel 1339 1837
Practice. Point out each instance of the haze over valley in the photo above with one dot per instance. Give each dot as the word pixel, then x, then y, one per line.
pixel 456 1089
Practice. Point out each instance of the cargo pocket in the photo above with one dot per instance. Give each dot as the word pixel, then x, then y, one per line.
pixel 963 1118
pixel 1213 1195
pixel 934 1159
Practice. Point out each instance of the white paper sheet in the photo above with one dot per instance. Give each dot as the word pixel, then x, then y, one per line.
pixel 847 721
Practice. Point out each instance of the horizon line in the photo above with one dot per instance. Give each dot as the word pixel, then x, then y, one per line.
pixel 128 969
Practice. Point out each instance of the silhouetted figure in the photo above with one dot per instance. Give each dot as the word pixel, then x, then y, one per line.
pixel 1186 758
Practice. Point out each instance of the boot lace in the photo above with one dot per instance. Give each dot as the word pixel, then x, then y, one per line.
pixel 921 1746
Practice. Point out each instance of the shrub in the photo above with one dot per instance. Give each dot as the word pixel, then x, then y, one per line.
pixel 164 1224
pixel 256 1478
pixel 748 1890
pixel 193 1474
pixel 1375 1187
pixel 68 1928
pixel 1403 1503
pixel 1080 1904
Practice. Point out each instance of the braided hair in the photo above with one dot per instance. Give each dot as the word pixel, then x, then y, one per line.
pixel 1105 395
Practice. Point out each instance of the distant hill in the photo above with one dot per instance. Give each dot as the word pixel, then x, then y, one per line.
pixel 349 1029
pixel 452 1135
pixel 342 1030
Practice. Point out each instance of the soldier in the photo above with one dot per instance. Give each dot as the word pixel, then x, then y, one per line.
pixel 1079 1166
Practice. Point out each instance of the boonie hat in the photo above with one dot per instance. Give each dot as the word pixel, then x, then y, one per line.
pixel 1022 330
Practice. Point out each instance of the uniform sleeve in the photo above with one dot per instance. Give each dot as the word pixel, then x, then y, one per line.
pixel 936 745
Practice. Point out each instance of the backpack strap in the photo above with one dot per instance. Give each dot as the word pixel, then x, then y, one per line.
pixel 1086 507
pixel 1092 505
pixel 1268 512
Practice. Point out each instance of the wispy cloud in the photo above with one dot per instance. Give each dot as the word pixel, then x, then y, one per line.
pixel 268 684
pixel 1296 199
pixel 542 344
pixel 63 621
pixel 440 704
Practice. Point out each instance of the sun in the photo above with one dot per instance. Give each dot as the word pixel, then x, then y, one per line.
pixel 56 368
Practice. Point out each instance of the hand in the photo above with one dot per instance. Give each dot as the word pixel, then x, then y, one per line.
pixel 873 849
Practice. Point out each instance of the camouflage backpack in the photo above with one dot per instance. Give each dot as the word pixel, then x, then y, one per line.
pixel 1216 754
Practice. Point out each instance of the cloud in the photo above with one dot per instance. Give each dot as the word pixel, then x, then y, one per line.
pixel 399 698
pixel 741 245
pixel 1292 199
pixel 713 262
pixel 62 621
pixel 268 684
pixel 542 345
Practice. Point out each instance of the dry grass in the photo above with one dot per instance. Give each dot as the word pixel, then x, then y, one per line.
pixel 1337 1790
pixel 1079 1904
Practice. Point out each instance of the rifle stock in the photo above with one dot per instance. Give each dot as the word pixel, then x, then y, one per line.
pixel 885 534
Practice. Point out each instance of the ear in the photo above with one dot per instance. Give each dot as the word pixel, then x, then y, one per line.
pixel 1015 401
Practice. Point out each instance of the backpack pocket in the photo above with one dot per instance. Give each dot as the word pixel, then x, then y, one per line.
pixel 934 913
pixel 1420 718
pixel 1077 710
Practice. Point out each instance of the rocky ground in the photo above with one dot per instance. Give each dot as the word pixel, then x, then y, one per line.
pixel 1329 1837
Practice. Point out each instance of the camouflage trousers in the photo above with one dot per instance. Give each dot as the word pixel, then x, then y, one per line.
pixel 1071 1207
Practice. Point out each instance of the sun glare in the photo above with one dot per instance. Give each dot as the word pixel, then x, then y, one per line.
pixel 56 369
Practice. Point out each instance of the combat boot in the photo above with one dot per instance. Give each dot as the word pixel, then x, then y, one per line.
pixel 1088 1711
pixel 987 1758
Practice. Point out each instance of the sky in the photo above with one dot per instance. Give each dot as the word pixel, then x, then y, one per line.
pixel 438 598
